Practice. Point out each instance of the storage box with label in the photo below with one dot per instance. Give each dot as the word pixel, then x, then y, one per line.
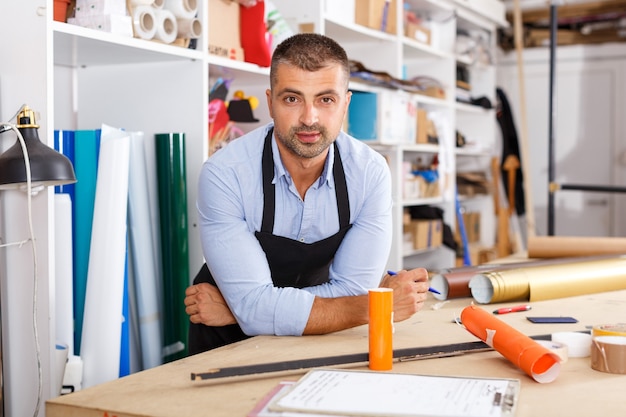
pixel 427 233
pixel 224 35
pixel 417 32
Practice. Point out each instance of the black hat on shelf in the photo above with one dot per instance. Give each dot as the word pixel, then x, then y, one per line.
pixel 241 111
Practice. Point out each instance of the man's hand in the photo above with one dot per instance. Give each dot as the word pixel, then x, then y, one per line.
pixel 204 304
pixel 410 290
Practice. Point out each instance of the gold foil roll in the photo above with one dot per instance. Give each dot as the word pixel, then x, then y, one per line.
pixel 537 283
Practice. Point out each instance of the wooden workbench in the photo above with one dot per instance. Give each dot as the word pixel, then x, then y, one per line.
pixel 168 391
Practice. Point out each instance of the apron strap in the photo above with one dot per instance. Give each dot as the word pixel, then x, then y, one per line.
pixel 341 190
pixel 269 192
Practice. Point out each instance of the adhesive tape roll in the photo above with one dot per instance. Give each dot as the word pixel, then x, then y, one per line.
pixel 144 22
pixel 183 9
pixel 618 329
pixel 166 27
pixel 608 354
pixel 557 347
pixel 578 344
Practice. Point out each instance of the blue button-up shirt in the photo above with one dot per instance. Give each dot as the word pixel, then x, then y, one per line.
pixel 230 205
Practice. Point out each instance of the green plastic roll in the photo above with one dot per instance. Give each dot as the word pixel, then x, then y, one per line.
pixel 172 184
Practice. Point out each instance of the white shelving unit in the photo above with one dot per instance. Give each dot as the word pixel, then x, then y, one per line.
pixel 401 57
pixel 78 78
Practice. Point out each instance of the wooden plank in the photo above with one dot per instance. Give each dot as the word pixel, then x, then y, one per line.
pixel 541 37
pixel 570 11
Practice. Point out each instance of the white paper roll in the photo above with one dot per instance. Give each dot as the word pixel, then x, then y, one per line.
pixel 158 4
pixel 102 324
pixel 144 22
pixel 183 9
pixel 143 260
pixel 166 26
pixel 64 271
pixel 189 28
pixel 59 365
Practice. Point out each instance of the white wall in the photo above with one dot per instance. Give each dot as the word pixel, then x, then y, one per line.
pixel 591 91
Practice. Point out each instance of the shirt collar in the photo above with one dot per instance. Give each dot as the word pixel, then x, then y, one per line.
pixel 281 171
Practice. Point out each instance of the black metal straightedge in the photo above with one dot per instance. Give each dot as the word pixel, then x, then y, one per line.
pixel 357 359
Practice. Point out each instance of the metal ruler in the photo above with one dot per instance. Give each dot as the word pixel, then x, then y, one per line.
pixel 349 360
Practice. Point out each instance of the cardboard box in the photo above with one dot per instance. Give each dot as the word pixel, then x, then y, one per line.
pixel 224 35
pixel 436 232
pixel 421 234
pixel 427 233
pixel 370 13
pixel 471 221
pixel 417 32
pixel 422 126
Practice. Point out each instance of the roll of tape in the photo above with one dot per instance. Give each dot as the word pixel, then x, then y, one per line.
pixel 617 329
pixel 189 28
pixel 183 9
pixel 557 347
pixel 608 354
pixel 144 22
pixel 578 344
pixel 166 27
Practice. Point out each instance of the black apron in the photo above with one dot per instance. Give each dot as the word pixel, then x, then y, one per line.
pixel 292 263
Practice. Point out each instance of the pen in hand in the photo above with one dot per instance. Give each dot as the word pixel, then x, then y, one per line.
pixel 431 289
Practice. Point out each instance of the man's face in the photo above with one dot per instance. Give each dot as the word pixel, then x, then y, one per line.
pixel 308 108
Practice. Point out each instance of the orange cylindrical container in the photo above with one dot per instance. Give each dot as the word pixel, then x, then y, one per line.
pixel 380 329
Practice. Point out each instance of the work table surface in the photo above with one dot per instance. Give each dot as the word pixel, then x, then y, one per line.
pixel 168 391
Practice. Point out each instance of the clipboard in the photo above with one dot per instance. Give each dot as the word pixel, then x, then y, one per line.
pixel 368 393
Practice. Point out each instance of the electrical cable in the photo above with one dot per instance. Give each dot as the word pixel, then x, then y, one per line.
pixel 5 127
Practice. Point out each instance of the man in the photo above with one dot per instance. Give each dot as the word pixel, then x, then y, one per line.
pixel 295 217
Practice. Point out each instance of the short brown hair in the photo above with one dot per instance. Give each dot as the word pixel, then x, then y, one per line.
pixel 310 52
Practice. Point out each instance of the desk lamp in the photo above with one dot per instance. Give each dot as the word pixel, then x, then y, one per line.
pixel 31 166
pixel 47 166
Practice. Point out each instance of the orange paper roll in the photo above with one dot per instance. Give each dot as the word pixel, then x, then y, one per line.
pixel 536 360
pixel 380 329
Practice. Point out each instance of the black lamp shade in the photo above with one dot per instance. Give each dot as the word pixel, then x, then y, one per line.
pixel 47 167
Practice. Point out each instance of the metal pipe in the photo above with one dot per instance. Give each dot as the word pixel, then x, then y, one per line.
pixel 552 116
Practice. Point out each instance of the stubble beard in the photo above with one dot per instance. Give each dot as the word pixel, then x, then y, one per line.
pixel 305 150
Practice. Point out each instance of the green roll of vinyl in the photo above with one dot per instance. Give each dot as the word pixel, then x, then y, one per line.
pixel 172 184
